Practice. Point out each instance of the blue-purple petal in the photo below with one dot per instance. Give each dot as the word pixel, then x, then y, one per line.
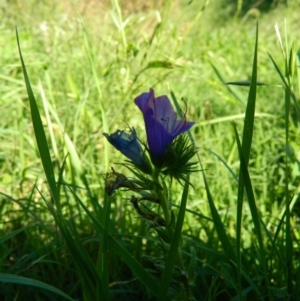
pixel 161 123
pixel 158 138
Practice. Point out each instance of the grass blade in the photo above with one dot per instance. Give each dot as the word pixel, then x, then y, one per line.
pixel 8 278
pixel 39 132
pixel 12 234
pixel 254 212
pixel 246 147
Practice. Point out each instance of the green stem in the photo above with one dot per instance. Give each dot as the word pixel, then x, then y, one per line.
pixel 166 212
pixel 161 196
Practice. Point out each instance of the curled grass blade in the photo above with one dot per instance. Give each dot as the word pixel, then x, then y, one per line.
pixel 12 234
pixel 16 279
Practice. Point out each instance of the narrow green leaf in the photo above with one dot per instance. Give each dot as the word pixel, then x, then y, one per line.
pixel 288 236
pixel 246 147
pixel 160 64
pixel 39 132
pixel 287 86
pixel 250 109
pixel 246 83
pixel 225 164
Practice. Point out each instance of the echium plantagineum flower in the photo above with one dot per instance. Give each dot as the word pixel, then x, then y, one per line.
pixel 162 125
pixel 129 146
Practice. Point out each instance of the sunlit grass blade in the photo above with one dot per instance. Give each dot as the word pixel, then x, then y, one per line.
pixel 232 90
pixel 254 212
pixel 287 86
pixel 229 118
pixel 174 253
pixel 250 109
pixel 93 67
pixel 8 278
pixel 39 132
pixel 246 147
pixel 49 121
pixel 225 164
pixel 48 108
pixel 288 236
pixel 289 71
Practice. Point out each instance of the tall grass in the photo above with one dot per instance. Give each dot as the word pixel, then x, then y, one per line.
pixel 62 237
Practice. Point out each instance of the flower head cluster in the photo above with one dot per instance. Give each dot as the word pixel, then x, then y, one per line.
pixel 162 129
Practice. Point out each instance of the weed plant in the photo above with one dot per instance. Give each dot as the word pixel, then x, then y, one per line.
pixel 62 236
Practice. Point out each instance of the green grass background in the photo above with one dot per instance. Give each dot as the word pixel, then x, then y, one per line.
pixel 87 61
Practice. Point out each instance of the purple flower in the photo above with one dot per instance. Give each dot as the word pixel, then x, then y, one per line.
pixel 128 145
pixel 162 126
